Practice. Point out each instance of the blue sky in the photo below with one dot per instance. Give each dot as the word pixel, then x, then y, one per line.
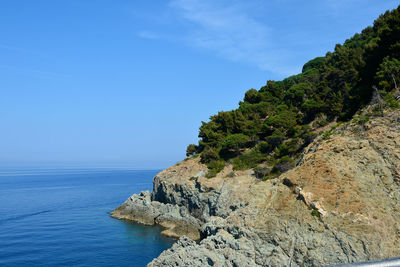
pixel 127 83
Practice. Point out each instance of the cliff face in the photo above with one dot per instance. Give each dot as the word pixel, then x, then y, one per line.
pixel 340 204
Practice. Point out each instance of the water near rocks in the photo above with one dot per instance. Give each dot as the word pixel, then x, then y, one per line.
pixel 60 217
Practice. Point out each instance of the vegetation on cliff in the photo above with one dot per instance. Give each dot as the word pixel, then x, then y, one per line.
pixel 272 125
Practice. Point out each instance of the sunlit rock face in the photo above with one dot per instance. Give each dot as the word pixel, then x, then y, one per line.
pixel 341 203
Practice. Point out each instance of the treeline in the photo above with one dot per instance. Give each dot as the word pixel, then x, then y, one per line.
pixel 272 125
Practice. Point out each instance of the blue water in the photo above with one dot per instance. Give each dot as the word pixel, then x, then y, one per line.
pixel 60 217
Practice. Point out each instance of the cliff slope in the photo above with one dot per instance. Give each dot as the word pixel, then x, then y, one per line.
pixel 341 203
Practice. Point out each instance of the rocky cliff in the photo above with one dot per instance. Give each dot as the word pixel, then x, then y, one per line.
pixel 341 203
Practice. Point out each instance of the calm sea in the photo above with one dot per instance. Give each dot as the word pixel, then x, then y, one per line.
pixel 60 217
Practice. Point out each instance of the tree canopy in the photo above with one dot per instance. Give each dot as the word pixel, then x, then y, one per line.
pixel 279 119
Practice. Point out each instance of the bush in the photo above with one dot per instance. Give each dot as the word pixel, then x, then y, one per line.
pixel 321 120
pixel 282 150
pixel 214 167
pixel 294 145
pixel 389 70
pixel 312 105
pixel 284 119
pixel 335 86
pixel 391 102
pixel 191 150
pixel 264 147
pixel 234 142
pixel 315 213
pixel 327 134
pixel 248 160
pixel 275 138
pixel 252 96
pixel 295 94
pixel 363 119
pixel 316 63
pixel 209 155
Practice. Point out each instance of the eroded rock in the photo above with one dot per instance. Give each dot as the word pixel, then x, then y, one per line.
pixel 351 179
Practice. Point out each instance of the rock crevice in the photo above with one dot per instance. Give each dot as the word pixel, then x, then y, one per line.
pixel 350 179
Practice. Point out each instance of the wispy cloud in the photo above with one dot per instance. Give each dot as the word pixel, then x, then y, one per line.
pixel 228 28
pixel 275 35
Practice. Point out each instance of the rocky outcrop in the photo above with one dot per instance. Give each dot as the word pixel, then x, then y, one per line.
pixel 340 204
pixel 175 219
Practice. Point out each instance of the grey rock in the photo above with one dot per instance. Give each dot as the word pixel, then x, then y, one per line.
pixel 137 208
pixel 176 220
pixel 352 180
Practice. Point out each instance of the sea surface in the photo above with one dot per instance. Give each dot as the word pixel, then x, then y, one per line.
pixel 60 217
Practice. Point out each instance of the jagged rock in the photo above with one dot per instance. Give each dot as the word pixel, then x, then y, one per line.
pixel 137 208
pixel 176 220
pixel 220 250
pixel 351 179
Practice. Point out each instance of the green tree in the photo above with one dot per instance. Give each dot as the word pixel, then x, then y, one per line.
pixel 316 63
pixel 274 122
pixel 209 155
pixel 252 96
pixel 284 120
pixel 388 74
pixel 295 94
pixel 234 142
pixel 275 139
pixel 191 150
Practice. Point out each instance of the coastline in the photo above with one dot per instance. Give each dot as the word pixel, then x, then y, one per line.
pixel 338 205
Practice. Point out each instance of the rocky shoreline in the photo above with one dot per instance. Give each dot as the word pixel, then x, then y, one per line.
pixel 340 204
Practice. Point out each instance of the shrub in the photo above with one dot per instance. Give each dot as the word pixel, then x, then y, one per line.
pixel 252 96
pixel 391 102
pixel 321 120
pixel 315 213
pixel 294 145
pixel 275 138
pixel 312 105
pixel 214 167
pixel 334 86
pixel 388 72
pixel 284 119
pixel 295 94
pixel 209 155
pixel 234 142
pixel 363 119
pixel 191 150
pixel 327 134
pixel 282 150
pixel 316 63
pixel 264 147
pixel 248 160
